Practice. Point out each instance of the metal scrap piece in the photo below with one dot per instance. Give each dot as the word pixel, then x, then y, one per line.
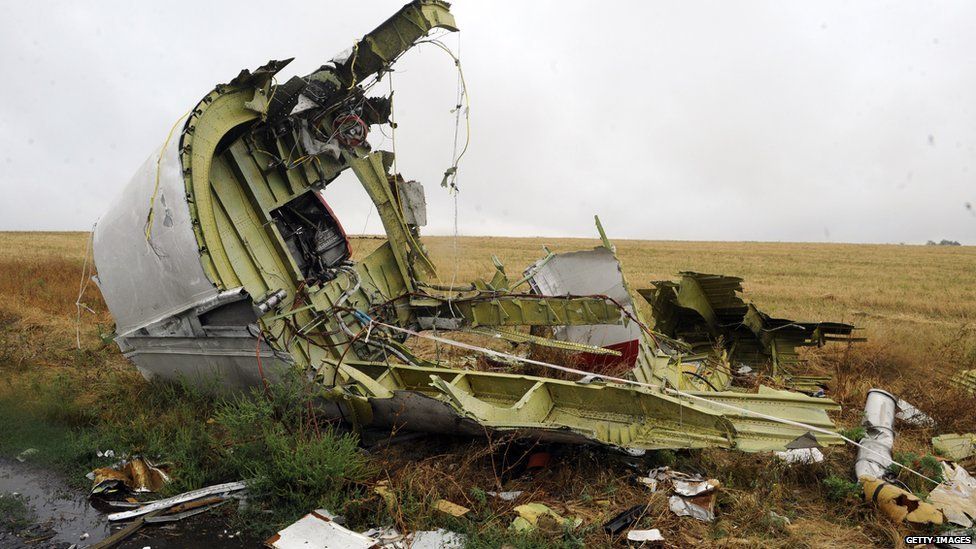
pixel 956 496
pixel 955 447
pixel 163 504
pixel 898 503
pixel 317 529
pixel 701 507
pixel 591 272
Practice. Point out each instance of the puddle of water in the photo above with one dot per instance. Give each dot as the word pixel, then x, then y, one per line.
pixel 68 511
pixel 70 514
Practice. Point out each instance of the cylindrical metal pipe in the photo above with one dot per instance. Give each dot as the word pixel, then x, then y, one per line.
pixel 874 458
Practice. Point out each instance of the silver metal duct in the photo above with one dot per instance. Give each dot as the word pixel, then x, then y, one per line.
pixel 874 458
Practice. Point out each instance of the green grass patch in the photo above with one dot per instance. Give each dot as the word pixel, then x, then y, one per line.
pixel 296 464
pixel 15 513
pixel 841 489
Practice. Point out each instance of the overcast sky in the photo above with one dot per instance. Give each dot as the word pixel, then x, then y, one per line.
pixel 759 120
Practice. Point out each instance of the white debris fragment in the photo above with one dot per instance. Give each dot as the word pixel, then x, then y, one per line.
pixel 685 484
pixel 388 537
pixel 645 535
pixel 693 488
pixel 22 457
pixel 801 455
pixel 785 521
pixel 685 507
pixel 506 496
pixel 912 415
pixel 437 539
pixel 956 496
pixel 694 494
pixel 317 530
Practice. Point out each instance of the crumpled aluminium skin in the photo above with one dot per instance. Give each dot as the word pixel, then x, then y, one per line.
pixel 900 504
pixel 956 496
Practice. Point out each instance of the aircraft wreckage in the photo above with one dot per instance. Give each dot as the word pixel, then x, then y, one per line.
pixel 222 260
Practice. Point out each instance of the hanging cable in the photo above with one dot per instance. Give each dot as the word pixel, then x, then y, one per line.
pixel 83 285
pixel 159 161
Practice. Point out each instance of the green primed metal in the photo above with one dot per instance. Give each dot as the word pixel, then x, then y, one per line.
pixel 244 157
pixel 705 311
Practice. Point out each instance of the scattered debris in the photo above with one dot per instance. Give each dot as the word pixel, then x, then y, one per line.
pixel 539 516
pixel 899 504
pixel 912 415
pixel 436 539
pixel 645 535
pixel 386 536
pixel 135 475
pixel 955 447
pixel 538 461
pixel 806 440
pixel 801 455
pixel 874 455
pixel 684 484
pixel 506 496
pixel 700 507
pixel 450 508
pixel 22 457
pixel 780 519
pixel 965 380
pixel 318 529
pixel 694 495
pixel 624 520
pixel 383 489
pixel 956 496
pixel 695 488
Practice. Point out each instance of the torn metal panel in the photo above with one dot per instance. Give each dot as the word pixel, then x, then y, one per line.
pixel 318 529
pixel 567 411
pixel 965 380
pixel 912 415
pixel 955 447
pixel 592 272
pixel 956 496
pixel 414 203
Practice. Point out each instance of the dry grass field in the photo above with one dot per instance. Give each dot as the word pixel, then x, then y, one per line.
pixel 915 304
